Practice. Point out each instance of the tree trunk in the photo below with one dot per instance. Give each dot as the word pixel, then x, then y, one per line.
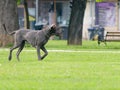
pixel 27 15
pixel 9 17
pixel 76 22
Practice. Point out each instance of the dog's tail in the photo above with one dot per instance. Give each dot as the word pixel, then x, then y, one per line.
pixel 7 31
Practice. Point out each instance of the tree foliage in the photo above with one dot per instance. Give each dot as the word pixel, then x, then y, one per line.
pixel 18 2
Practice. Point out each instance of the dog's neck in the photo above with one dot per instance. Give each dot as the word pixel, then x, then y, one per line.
pixel 47 34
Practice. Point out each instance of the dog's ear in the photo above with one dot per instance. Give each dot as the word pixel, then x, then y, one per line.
pixel 53 26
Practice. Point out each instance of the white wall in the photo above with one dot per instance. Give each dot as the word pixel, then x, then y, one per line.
pixel 89 19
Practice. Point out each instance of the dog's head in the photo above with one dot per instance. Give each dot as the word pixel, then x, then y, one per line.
pixel 53 29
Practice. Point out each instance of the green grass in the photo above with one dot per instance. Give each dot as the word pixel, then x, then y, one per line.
pixel 85 45
pixel 93 67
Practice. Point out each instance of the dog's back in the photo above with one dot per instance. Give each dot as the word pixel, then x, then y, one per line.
pixel 31 36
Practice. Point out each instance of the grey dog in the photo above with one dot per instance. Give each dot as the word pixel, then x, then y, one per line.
pixel 37 39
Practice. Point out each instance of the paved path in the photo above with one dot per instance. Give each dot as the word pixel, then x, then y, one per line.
pixel 76 51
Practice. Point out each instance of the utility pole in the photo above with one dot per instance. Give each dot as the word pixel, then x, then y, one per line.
pixel 118 12
pixel 37 17
pixel 91 15
pixel 54 11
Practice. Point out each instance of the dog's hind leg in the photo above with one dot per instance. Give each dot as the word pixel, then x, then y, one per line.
pixel 14 47
pixel 20 49
pixel 45 51
pixel 38 52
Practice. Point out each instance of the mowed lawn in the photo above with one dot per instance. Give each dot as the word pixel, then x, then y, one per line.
pixel 86 67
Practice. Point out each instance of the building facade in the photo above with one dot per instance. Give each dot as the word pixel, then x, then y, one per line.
pixel 104 13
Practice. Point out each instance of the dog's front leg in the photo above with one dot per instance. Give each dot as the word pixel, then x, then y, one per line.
pixel 45 51
pixel 38 52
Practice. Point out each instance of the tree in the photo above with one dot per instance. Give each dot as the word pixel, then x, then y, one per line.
pixel 76 22
pixel 9 17
pixel 27 15
pixel 24 2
